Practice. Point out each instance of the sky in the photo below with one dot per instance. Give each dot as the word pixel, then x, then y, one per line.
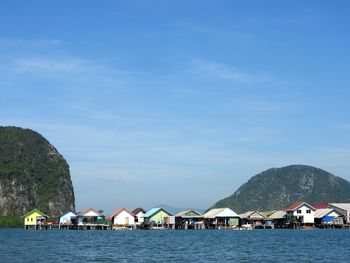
pixel 178 102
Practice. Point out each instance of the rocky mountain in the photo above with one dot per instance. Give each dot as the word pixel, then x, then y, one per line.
pixel 33 174
pixel 277 188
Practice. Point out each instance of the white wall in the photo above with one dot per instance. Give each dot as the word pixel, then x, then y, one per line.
pixel 139 214
pixel 308 218
pixel 345 213
pixel 90 213
pixel 122 218
pixel 66 217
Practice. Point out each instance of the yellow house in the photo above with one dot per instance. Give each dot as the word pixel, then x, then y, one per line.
pixel 35 219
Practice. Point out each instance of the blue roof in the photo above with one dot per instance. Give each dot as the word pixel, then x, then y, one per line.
pixel 328 219
pixel 155 210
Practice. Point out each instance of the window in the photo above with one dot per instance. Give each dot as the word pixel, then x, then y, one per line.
pixel 298 211
pixel 27 219
pixel 31 219
pixel 308 211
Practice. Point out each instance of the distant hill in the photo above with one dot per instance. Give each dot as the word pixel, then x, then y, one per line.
pixel 277 188
pixel 33 174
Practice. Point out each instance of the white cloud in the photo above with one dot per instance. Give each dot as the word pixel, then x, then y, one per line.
pixel 33 43
pixel 258 106
pixel 225 72
pixel 34 60
pixel 46 65
pixel 344 126
pixel 63 72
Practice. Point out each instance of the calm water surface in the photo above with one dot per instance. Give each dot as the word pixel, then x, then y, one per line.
pixel 17 245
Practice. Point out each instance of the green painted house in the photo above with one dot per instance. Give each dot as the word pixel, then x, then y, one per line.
pixel 158 217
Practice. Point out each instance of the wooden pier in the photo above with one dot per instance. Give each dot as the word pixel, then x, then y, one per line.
pixel 93 227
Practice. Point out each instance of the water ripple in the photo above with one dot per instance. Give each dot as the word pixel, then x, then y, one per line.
pixel 17 245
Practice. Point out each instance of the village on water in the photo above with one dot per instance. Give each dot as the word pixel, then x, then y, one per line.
pixel 298 215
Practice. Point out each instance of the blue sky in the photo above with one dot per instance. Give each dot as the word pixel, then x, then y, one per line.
pixel 178 102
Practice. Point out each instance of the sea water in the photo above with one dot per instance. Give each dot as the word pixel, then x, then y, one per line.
pixel 18 245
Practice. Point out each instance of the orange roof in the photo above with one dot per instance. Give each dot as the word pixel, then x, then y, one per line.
pixel 297 205
pixel 119 211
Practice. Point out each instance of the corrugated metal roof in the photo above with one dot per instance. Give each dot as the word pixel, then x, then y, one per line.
pixel 67 212
pixel 268 213
pixel 320 213
pixel 155 210
pixel 138 210
pixel 227 212
pixel 82 213
pixel 252 215
pixel 320 206
pixel 295 206
pixel 246 214
pixel 344 206
pixel 220 212
pixel 151 212
pixel 184 214
pixel 212 212
pixel 120 210
pixel 280 214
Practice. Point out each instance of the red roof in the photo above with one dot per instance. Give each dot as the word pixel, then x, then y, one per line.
pixel 320 206
pixel 294 206
pixel 120 210
pixel 297 205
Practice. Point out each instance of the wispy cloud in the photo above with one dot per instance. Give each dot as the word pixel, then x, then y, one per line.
pixel 119 136
pixel 48 59
pixel 197 28
pixel 345 126
pixel 62 71
pixel 225 72
pixel 264 106
pixel 259 106
pixel 223 33
pixel 32 43
pixel 44 65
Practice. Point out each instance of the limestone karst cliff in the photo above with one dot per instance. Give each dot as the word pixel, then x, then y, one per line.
pixel 33 174
pixel 277 188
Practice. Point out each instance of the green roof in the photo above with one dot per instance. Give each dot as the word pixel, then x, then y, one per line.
pixel 35 210
pixel 268 213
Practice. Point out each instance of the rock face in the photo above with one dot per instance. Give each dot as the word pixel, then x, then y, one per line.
pixel 277 188
pixel 33 174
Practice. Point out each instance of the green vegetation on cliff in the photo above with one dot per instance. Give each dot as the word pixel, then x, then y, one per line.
pixel 32 174
pixel 11 221
pixel 277 188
